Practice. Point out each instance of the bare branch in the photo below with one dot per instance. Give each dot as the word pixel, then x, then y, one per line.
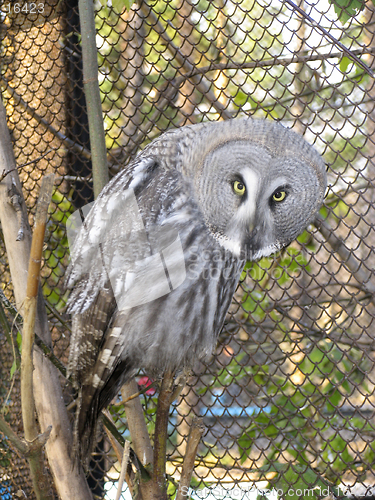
pixel 161 435
pixel 347 256
pixel 274 61
pixel 139 434
pixel 195 434
pixel 326 33
pixel 48 353
pixel 70 483
pixel 124 466
pixel 36 462
pixel 19 443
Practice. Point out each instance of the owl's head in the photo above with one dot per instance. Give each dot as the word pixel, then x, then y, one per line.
pixel 257 183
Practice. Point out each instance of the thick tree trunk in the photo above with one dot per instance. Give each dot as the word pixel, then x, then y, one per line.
pixel 70 482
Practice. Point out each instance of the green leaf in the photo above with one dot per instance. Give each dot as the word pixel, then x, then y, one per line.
pixel 335 397
pixel 118 5
pixel 151 411
pixel 299 482
pixel 13 369
pixel 347 9
pixel 19 341
pixel 344 64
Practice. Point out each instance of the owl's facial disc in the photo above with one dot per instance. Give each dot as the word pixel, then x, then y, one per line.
pixel 255 201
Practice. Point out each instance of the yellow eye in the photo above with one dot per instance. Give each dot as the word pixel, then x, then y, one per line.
pixel 239 188
pixel 279 196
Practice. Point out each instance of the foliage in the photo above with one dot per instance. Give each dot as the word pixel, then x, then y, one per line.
pixel 307 386
pixel 118 5
pixel 301 414
pixel 302 419
pixel 347 9
pixel 57 253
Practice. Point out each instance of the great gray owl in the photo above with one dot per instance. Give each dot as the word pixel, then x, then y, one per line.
pixel 158 258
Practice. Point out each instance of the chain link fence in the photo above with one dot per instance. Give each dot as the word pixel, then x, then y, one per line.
pixel 288 400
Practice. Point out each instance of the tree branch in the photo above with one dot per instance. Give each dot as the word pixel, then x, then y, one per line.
pixel 195 434
pixel 161 436
pixel 348 52
pixel 139 434
pixel 70 483
pixel 36 462
pixel 348 258
pixel 92 93
pixel 274 61
pixel 19 443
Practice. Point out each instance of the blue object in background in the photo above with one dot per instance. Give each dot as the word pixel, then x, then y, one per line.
pixel 5 489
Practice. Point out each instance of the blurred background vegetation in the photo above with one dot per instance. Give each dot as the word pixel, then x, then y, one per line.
pixel 289 398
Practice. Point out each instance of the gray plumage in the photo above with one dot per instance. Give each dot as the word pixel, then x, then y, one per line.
pixel 222 193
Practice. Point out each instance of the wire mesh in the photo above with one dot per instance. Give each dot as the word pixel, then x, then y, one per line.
pixel 288 400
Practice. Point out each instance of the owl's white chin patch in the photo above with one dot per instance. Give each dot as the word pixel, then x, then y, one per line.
pixel 235 248
pixel 231 245
pixel 265 252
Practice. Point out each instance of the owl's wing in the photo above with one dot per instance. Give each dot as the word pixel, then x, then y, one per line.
pixel 109 259
pixel 95 237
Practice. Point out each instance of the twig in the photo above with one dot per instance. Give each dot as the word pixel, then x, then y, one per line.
pixel 135 395
pixel 26 449
pixel 57 315
pixel 161 435
pixel 124 467
pixel 69 143
pixel 336 42
pixel 195 434
pixel 4 173
pixel 39 478
pixel 12 436
pixel 48 353
pixel 274 61
pixel 117 440
pixel 348 258
pixel 140 438
pixel 40 157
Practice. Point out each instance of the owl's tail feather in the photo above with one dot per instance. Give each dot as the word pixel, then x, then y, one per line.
pixel 85 427
pixel 90 402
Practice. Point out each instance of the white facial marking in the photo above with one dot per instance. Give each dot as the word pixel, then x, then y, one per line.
pixel 244 215
pixel 247 209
